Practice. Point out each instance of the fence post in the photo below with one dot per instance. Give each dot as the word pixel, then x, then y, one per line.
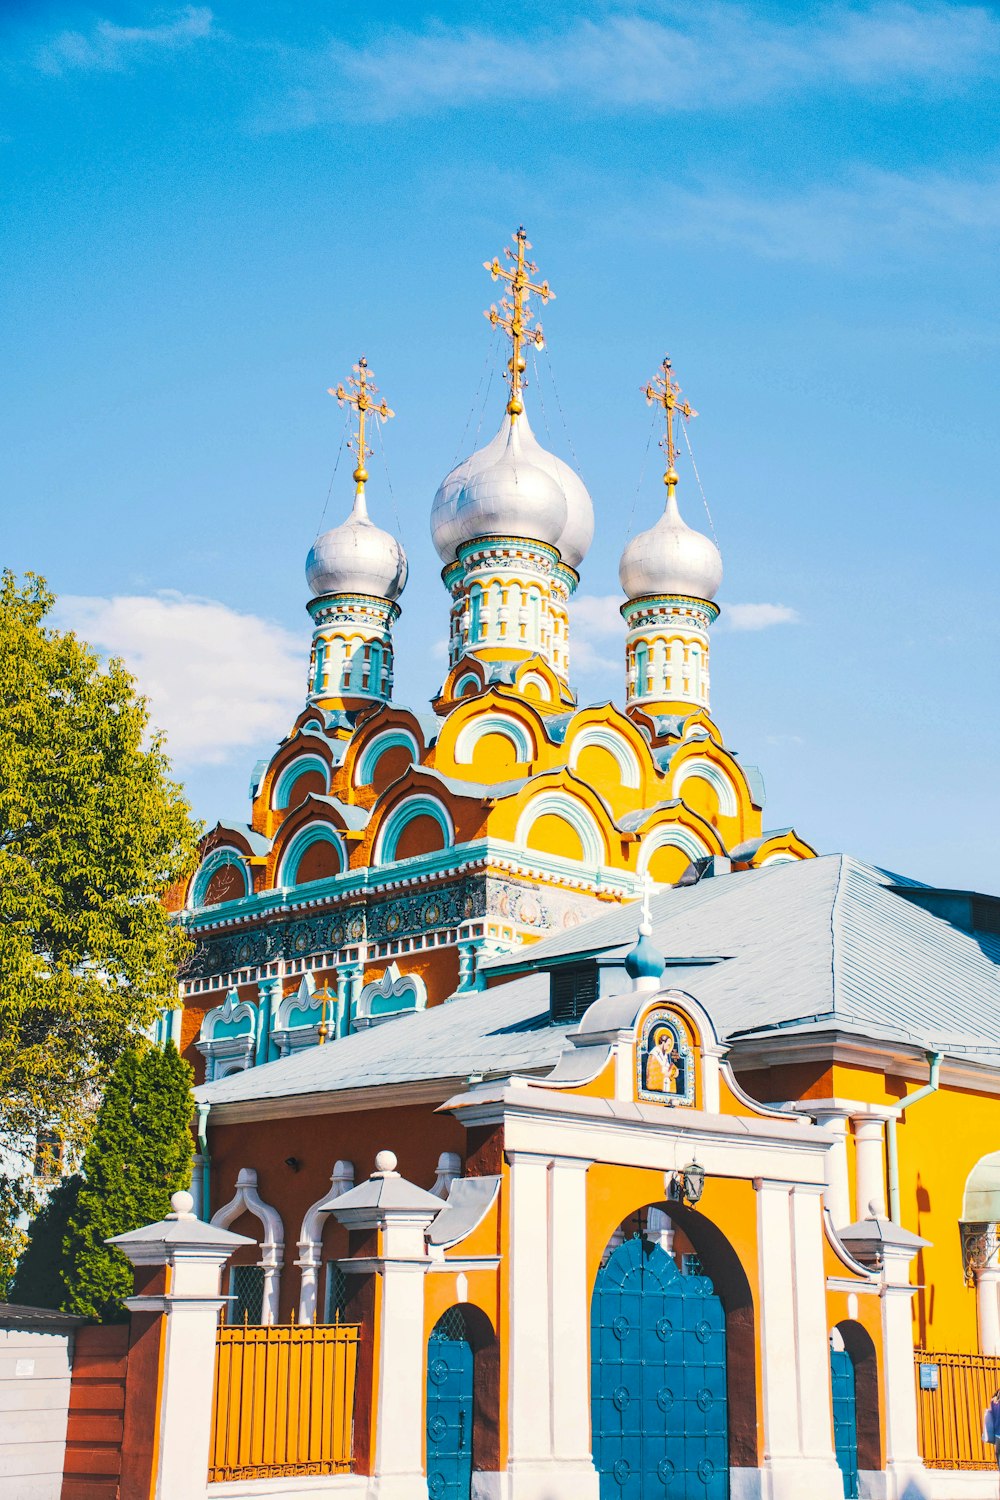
pixel 171 1366
pixel 399 1213
pixel 889 1249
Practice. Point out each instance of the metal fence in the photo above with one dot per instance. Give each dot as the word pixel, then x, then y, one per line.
pixel 953 1391
pixel 284 1400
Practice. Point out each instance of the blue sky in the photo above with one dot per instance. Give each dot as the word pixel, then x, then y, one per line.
pixel 209 212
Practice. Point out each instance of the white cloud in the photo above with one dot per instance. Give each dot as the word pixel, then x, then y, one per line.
pixel 108 48
pixel 596 634
pixel 757 616
pixel 706 57
pixel 218 680
pixel 829 222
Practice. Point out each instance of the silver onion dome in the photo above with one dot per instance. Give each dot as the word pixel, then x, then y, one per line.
pixel 670 558
pixel 357 558
pixel 514 487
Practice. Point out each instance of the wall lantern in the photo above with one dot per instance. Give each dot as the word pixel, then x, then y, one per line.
pixel 688 1184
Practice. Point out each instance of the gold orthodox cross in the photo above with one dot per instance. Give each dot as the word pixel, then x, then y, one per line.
pixel 665 390
pixel 361 393
pixel 514 315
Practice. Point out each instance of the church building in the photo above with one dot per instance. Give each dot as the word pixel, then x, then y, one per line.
pixel 653 1155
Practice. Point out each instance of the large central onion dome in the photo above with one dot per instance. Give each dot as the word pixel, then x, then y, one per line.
pixel 514 487
pixel 670 558
pixel 357 558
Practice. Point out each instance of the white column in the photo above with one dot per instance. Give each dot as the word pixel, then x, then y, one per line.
pixel 195 1254
pixel 399 1430
pixel 869 1161
pixel 988 1309
pixel 570 1322
pixel 904 1466
pixel 529 1465
pixel 798 1431
pixel 812 1339
pixel 838 1190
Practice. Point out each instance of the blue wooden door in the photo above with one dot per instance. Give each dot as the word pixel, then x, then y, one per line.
pixel 845 1419
pixel 449 1410
pixel 658 1380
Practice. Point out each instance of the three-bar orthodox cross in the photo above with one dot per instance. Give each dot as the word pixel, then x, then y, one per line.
pixel 361 395
pixel 514 315
pixel 665 390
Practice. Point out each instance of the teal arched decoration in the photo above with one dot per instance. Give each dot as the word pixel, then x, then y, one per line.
pixel 511 729
pixel 706 770
pixel 673 836
pixel 208 867
pixel 313 833
pixel 290 775
pixel 377 746
pixel 402 815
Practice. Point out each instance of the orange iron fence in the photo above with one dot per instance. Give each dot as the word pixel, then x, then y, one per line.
pixel 953 1392
pixel 284 1400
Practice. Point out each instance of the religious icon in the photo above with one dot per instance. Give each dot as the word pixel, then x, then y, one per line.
pixel 664 1062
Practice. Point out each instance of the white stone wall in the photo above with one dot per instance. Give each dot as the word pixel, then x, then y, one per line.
pixel 34 1401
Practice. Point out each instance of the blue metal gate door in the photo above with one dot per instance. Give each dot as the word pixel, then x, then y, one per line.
pixel 845 1419
pixel 658 1380
pixel 449 1410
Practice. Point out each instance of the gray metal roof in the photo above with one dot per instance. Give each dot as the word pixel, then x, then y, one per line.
pixel 806 946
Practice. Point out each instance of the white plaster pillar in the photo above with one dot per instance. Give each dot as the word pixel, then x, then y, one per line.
pixel 903 1463
pixel 311 1239
pixel 838 1188
pixel 869 1164
pixel 570 1324
pixel 988 1309
pixel 401 1212
pixel 193 1253
pixel 529 1469
pixel 798 1423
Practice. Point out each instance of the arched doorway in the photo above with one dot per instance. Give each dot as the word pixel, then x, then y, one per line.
pixel 658 1379
pixel 462 1402
pixel 845 1417
pixel 854 1387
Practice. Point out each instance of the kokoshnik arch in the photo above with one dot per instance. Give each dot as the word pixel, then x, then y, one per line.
pixel 380 835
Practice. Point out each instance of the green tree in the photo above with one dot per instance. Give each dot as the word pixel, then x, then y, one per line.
pixel 37 1281
pixel 139 1153
pixel 92 834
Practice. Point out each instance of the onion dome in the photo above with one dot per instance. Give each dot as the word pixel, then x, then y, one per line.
pixel 357 558
pixel 671 558
pixel 644 961
pixel 514 487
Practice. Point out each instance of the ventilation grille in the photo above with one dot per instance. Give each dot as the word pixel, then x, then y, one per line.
pixel 571 991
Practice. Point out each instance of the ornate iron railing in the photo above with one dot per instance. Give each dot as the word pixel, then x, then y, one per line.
pixel 284 1400
pixel 953 1392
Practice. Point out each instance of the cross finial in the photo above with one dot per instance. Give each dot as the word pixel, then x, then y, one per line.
pixel 514 315
pixel 665 391
pixel 360 393
pixel 646 924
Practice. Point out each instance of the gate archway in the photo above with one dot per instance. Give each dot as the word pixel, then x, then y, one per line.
pixel 659 1407
pixel 463 1382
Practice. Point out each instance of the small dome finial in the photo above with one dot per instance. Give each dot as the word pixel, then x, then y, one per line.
pixel 645 964
pixel 514 315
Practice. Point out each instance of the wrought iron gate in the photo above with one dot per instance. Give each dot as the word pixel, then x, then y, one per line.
pixel 449 1409
pixel 658 1380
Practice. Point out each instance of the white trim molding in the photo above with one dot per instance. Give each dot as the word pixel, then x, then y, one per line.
pixel 601 737
pixel 402 815
pixel 671 836
pixel 312 833
pixel 703 769
pixel 559 804
pixel 311 1238
pixel 289 775
pixel 247 1200
pixel 511 729
pixel 379 745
